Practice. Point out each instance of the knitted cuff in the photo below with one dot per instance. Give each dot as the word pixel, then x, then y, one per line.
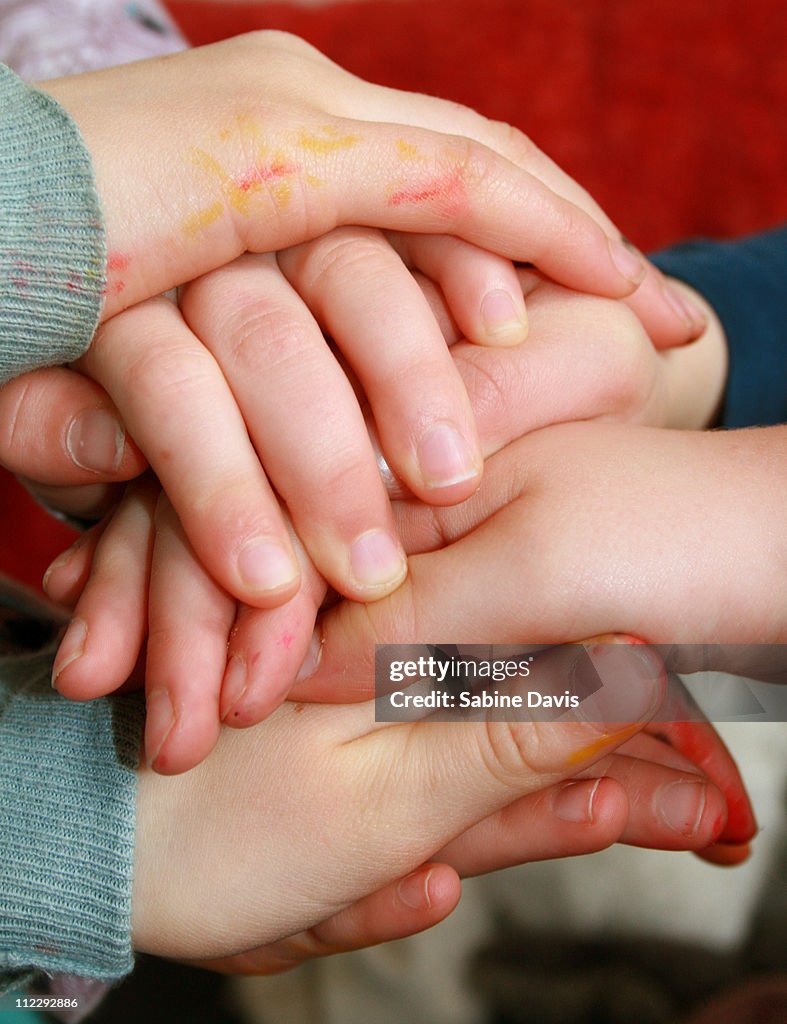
pixel 744 281
pixel 67 803
pixel 52 247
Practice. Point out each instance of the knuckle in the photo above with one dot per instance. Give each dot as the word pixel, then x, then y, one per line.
pixel 158 373
pixel 265 52
pixel 395 619
pixel 515 751
pixel 512 143
pixel 345 492
pixel 265 335
pixel 493 381
pixel 354 253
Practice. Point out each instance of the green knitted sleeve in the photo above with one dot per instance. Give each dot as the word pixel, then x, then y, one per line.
pixel 52 248
pixel 67 805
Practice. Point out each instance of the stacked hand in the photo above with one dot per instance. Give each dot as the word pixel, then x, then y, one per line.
pixel 264 492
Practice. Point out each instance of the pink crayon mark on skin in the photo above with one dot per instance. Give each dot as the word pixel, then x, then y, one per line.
pixel 263 173
pixel 118 261
pixel 449 190
pixel 237 192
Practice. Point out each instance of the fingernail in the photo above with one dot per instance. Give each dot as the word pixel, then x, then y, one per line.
pixel 72 646
pixel 60 562
pixel 234 685
pixel 264 567
pixel 413 890
pixel 377 560
pixel 574 802
pixel 680 806
pixel 623 683
pixel 95 441
pixel 445 457
pixel 312 659
pixel 159 719
pixel 504 321
pixel 682 306
pixel 628 261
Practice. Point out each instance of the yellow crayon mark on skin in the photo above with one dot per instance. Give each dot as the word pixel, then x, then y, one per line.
pixel 329 142
pixel 282 194
pixel 202 218
pixel 599 745
pixel 273 176
pixel 208 163
pixel 407 151
pixel 249 128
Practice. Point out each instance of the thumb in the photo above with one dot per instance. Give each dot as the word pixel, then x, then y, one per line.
pixel 455 775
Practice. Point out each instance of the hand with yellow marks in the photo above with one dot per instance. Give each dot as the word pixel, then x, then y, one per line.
pixel 260 142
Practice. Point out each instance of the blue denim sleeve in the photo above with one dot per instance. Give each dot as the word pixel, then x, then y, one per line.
pixel 746 283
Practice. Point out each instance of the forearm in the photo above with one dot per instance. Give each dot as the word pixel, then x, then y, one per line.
pixel 52 243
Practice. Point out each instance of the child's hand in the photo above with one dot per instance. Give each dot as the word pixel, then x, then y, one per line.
pixel 260 142
pixel 637 797
pixel 582 529
pixel 330 767
pixel 586 357
pixel 281 414
pixel 288 146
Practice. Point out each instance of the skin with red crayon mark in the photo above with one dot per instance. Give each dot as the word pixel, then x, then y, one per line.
pixel 117 262
pixel 260 174
pixel 449 190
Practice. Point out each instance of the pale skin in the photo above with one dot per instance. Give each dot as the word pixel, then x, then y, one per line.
pixel 319 806
pixel 232 149
pixel 634 801
pixel 585 358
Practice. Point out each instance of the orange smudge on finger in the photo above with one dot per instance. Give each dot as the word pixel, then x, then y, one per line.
pixel 600 745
